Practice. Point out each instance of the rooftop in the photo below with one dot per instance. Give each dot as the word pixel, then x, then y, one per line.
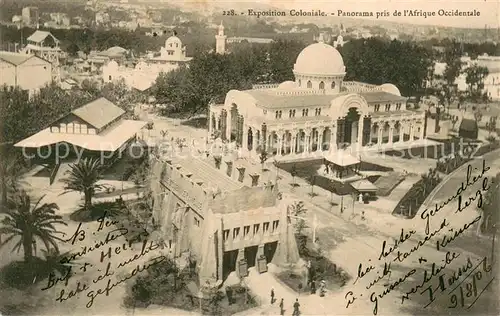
pixel 210 176
pixel 40 36
pixel 243 199
pixel 109 140
pixel 14 58
pixel 381 96
pixel 99 113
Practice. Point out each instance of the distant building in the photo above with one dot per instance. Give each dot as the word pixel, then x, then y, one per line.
pixel 173 53
pixel 141 77
pixel 30 15
pixel 96 128
pixel 46 46
pixel 220 40
pixel 25 71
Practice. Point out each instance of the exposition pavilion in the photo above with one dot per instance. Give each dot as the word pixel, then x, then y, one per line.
pixel 318 113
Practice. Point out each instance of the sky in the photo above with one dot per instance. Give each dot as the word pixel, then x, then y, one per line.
pixel 489 9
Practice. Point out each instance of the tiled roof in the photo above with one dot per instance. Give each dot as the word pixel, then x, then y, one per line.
pixel 109 140
pixel 14 58
pixel 268 99
pixel 380 96
pixel 99 113
pixel 39 36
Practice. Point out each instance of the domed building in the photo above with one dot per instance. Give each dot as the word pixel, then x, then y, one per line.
pixel 172 54
pixel 318 112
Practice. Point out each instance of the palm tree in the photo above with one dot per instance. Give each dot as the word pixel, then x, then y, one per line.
pixel 30 223
pixel 83 177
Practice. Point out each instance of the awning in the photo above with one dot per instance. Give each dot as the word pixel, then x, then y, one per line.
pixel 109 140
pixel 364 186
pixel 341 159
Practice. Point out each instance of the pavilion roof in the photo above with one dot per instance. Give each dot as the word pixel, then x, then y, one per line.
pixel 109 140
pixel 40 36
pixel 99 113
pixel 364 185
pixel 341 159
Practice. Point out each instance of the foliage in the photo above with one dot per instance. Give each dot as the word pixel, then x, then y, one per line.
pixel 31 224
pixel 11 167
pixel 489 220
pixel 50 104
pixel 312 182
pixel 83 177
pixel 474 79
pixel 263 157
pixel 491 126
pixel 298 209
pixel 404 64
pixel 293 173
pixel 412 200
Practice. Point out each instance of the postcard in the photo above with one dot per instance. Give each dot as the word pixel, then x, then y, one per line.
pixel 249 158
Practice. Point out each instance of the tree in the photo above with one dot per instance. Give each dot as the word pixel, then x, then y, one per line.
pixel 475 76
pixel 491 126
pixel 478 116
pixel 10 172
pixel 83 177
pixel 293 173
pixel 263 158
pixel 490 213
pixel 298 209
pixel 451 72
pixel 31 224
pixel 312 183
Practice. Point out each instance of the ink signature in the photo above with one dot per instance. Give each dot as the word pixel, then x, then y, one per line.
pixel 393 253
pixel 106 269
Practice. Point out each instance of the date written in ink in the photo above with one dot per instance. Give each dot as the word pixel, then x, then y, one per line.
pixel 467 293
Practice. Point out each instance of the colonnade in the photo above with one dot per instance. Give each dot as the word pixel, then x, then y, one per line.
pixel 283 139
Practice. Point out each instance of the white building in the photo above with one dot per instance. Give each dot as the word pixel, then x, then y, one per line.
pixel 173 53
pixel 44 45
pixel 27 72
pixel 317 113
pixel 220 40
pixel 142 77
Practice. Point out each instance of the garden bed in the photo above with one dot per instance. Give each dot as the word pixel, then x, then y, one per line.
pixel 165 285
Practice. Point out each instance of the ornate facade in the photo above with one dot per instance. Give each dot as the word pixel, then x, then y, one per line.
pixel 318 111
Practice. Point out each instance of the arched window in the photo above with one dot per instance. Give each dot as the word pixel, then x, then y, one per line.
pixel 322 85
pixel 309 84
pixel 300 83
pixel 333 84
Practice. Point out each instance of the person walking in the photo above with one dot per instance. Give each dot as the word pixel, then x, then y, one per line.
pixel 313 287
pixel 272 296
pixel 296 306
pixel 282 305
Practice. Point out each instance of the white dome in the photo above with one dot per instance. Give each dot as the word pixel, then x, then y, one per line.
pixel 173 40
pixel 319 59
pixel 287 85
pixel 390 88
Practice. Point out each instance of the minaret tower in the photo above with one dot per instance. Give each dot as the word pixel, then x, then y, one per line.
pixel 220 40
